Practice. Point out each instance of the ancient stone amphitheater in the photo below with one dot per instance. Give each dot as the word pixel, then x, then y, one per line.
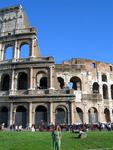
pixel 35 90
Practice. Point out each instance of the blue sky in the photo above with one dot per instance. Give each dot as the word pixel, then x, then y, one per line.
pixel 71 28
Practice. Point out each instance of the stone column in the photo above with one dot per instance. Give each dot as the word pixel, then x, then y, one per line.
pixel 30 114
pixel 85 116
pixel 31 79
pixel 12 82
pixel 51 113
pixel 11 114
pixel 32 47
pixel 72 113
pixel 15 51
pixel 51 77
pixel 109 92
pixel 111 115
pixel 99 112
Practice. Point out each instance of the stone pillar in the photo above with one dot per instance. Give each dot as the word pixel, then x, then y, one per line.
pixel 32 47
pixel 51 78
pixel 0 52
pixel 72 113
pixel 30 114
pixel 51 113
pixel 12 82
pixel 99 113
pixel 11 114
pixel 111 115
pixel 109 92
pixel 31 79
pixel 15 51
pixel 85 116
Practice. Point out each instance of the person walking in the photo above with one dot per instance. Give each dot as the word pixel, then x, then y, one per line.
pixel 56 137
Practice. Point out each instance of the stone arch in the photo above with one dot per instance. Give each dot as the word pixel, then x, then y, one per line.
pixel 79 116
pixel 22 82
pixel 41 115
pixel 112 91
pixel 93 115
pixel 95 87
pixel 4 115
pixel 107 115
pixel 5 82
pixel 61 82
pixel 61 115
pixel 105 91
pixel 41 80
pixel 76 83
pixel 104 78
pixel 21 116
pixel 25 50
pixel 8 53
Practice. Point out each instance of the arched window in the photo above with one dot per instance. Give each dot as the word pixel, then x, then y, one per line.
pixel 95 87
pixel 76 83
pixel 61 115
pixel 24 51
pixel 5 82
pixel 4 115
pixel 93 115
pixel 105 91
pixel 41 80
pixel 8 53
pixel 22 81
pixel 79 115
pixel 41 115
pixel 43 83
pixel 61 82
pixel 107 115
pixel 112 91
pixel 21 116
pixel 104 78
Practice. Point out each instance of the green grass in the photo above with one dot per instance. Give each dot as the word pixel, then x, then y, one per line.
pixel 42 141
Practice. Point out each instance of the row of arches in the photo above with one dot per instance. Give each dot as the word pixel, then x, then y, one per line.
pixel 41 115
pixel 24 51
pixel 104 90
pixel 23 82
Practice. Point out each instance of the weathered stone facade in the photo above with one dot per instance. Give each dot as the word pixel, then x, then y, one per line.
pixel 35 90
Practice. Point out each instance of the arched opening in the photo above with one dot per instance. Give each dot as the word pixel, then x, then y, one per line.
pixel 95 87
pixel 5 82
pixel 8 53
pixel 76 83
pixel 22 81
pixel 4 115
pixel 79 115
pixel 104 78
pixel 105 91
pixel 21 116
pixel 61 116
pixel 61 82
pixel 24 50
pixel 43 83
pixel 107 115
pixel 41 116
pixel 93 115
pixel 112 91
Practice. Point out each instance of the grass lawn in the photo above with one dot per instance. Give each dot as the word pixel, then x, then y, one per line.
pixel 42 141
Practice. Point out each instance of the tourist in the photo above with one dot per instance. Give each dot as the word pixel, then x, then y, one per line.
pixel 56 137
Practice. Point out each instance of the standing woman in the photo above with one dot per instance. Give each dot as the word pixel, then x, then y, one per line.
pixel 56 137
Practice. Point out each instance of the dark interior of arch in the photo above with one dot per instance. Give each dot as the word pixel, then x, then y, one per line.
pixel 95 88
pixel 22 81
pixel 61 81
pixel 76 83
pixel 4 116
pixel 41 108
pixel 43 83
pixel 21 109
pixel 112 91
pixel 104 78
pixel 105 91
pixel 5 83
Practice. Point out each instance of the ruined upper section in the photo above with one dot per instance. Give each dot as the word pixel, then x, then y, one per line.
pixel 13 19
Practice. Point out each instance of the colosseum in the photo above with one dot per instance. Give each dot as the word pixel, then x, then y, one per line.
pixel 33 89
